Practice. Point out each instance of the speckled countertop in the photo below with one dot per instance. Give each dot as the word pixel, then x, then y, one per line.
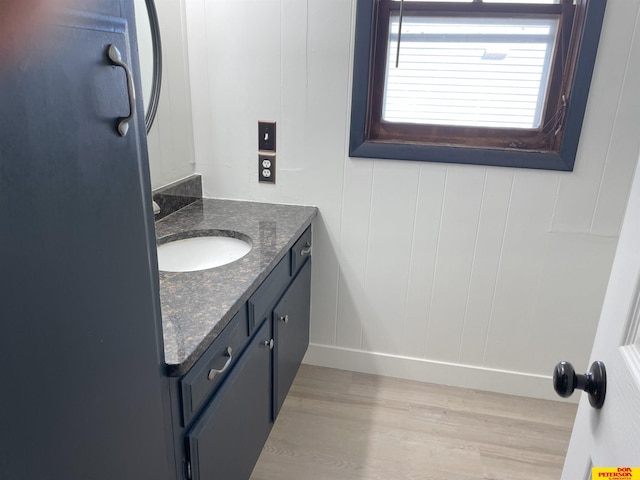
pixel 196 306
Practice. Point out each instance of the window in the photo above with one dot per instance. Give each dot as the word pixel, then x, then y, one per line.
pixel 473 81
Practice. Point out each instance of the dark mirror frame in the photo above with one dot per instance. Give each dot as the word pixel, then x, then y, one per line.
pixel 152 108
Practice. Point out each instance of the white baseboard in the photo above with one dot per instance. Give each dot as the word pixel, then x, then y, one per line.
pixel 456 375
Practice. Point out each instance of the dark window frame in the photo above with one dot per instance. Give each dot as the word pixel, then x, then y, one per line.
pixel 370 137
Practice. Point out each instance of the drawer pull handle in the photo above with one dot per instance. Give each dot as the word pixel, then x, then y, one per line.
pixel 306 250
pixel 285 319
pixel 213 372
pixel 269 343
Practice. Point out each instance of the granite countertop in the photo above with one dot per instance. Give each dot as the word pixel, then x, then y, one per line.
pixel 196 306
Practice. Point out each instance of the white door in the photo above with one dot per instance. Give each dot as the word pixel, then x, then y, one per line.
pixel 610 437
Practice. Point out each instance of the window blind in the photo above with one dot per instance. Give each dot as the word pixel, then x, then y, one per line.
pixel 480 72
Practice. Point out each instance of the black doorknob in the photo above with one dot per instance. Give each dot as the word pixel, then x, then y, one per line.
pixel 594 382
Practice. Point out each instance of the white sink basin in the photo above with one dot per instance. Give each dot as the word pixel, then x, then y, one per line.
pixel 200 253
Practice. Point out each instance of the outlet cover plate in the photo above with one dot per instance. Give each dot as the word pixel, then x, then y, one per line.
pixel 267 167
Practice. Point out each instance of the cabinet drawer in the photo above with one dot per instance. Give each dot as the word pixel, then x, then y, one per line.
pixel 301 251
pixel 205 376
pixel 267 294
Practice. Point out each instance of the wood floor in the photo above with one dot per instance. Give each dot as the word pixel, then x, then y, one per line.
pixel 339 425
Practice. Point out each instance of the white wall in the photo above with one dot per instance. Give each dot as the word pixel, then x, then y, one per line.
pixel 468 275
pixel 170 141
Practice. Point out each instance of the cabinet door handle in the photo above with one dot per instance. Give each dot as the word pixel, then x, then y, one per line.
pixel 116 58
pixel 305 251
pixel 269 343
pixel 284 318
pixel 213 372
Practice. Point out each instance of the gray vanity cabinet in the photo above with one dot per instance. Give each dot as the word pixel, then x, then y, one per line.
pixel 231 396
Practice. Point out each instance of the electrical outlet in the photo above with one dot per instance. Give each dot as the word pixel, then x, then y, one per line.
pixel 267 167
pixel 267 136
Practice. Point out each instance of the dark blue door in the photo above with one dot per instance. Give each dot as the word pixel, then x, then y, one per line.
pixel 291 318
pixel 80 327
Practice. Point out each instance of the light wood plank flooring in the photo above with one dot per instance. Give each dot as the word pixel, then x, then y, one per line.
pixel 339 425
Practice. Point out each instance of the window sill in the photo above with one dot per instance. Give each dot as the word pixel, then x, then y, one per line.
pixel 463 155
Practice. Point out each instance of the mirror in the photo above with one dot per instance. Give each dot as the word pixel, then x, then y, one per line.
pixel 150 49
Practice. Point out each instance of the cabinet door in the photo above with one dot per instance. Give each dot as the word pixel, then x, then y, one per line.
pixel 81 394
pixel 226 441
pixel 291 332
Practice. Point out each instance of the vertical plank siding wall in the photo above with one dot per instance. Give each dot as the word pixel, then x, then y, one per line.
pixel 472 276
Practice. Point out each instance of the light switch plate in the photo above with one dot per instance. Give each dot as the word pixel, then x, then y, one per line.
pixel 267 136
